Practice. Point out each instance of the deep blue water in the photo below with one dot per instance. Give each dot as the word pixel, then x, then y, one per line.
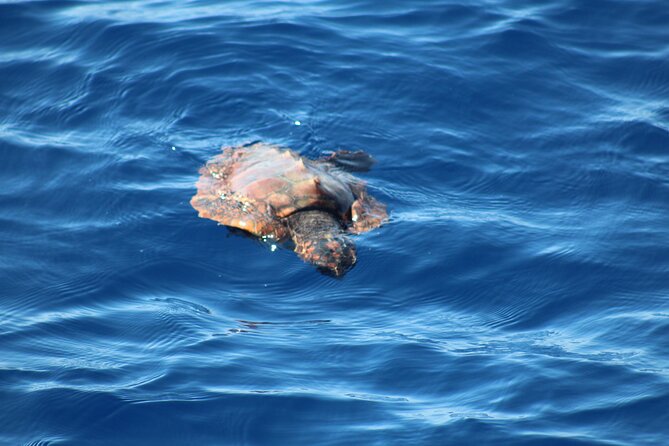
pixel 519 294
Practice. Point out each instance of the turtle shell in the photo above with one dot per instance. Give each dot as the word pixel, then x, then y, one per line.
pixel 254 187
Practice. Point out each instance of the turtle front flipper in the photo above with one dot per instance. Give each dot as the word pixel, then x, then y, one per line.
pixel 350 161
pixel 367 213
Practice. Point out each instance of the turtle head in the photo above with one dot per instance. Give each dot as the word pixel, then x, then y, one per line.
pixel 320 240
pixel 333 254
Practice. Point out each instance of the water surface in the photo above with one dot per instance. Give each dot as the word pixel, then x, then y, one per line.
pixel 517 296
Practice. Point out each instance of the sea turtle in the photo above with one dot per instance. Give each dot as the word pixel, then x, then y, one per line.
pixel 274 193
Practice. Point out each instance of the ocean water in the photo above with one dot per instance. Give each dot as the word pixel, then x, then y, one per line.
pixel 518 295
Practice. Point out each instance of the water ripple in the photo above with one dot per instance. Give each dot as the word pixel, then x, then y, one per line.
pixel 517 295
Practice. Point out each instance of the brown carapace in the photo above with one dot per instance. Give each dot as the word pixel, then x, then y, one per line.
pixel 274 193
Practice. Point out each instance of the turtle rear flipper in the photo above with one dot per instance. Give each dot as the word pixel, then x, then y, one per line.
pixel 350 161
